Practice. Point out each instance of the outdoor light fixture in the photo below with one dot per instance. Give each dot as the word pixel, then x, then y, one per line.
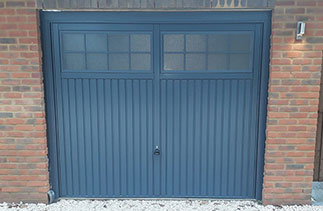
pixel 300 30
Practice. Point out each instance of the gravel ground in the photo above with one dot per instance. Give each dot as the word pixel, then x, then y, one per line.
pixel 149 205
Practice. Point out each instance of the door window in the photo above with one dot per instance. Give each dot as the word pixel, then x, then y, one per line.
pixel 207 51
pixel 108 51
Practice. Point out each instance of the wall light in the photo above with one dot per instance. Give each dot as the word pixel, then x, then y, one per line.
pixel 300 30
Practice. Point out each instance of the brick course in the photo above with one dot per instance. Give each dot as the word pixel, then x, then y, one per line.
pixel 294 87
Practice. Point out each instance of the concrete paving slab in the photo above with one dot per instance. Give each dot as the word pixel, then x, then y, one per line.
pixel 317 193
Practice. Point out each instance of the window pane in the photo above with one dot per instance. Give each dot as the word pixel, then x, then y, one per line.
pixel 97 61
pixel 140 42
pixel 118 42
pixel 218 42
pixel 173 61
pixel 195 61
pixel 196 42
pixel 240 42
pixel 96 42
pixel 74 61
pixel 239 62
pixel 173 42
pixel 217 62
pixel 140 61
pixel 119 61
pixel 73 42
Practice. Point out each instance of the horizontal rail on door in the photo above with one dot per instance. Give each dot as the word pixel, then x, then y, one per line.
pixel 107 75
pixel 105 26
pixel 197 76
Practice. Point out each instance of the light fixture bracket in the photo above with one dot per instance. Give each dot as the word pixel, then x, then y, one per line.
pixel 300 31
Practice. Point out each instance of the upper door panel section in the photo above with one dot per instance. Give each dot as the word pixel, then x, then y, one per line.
pixel 105 48
pixel 207 48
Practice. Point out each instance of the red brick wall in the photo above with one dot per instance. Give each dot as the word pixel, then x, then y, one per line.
pixel 294 85
pixel 23 148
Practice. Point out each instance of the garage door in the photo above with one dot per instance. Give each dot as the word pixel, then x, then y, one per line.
pixel 154 108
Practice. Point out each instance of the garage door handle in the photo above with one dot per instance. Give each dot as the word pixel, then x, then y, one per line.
pixel 157 151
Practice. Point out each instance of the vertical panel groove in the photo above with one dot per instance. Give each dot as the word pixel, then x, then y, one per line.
pixel 221 142
pixel 248 143
pixel 70 135
pixel 207 137
pixel 200 139
pixel 228 141
pixel 151 140
pixel 193 141
pixel 105 137
pixel 235 141
pixel 126 138
pixel 173 137
pixel 63 177
pixel 133 136
pixel 73 138
pixel 67 139
pixel 85 154
pixel 91 138
pixel 186 155
pixel 123 137
pixel 167 144
pixel 77 138
pixel 240 159
pixel 160 132
pixel 215 107
pixel 251 165
pixel 140 136
pixel 98 132
pixel 112 137
pixel 148 139
pixel 119 136
pixel 180 148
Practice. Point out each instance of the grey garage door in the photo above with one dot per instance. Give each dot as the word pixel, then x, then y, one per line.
pixel 155 107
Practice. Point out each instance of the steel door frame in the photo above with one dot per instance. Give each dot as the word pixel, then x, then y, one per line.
pixel 49 18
